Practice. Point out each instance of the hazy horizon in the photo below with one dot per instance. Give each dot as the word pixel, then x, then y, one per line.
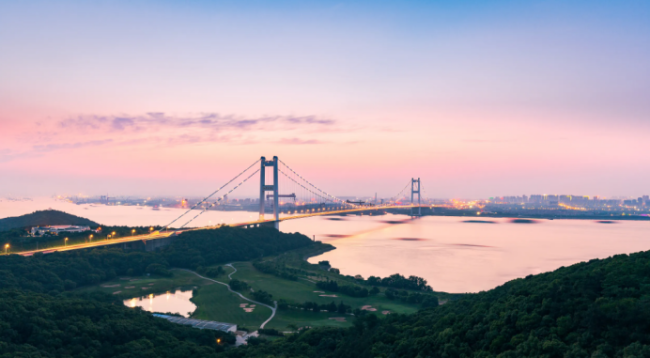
pixel 175 98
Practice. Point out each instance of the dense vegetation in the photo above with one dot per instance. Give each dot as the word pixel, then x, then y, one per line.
pixel 600 308
pixel 341 308
pixel 412 297
pixel 203 248
pixel 398 281
pixel 21 240
pixel 263 296
pixel 596 309
pixel 277 269
pixel 40 315
pixel 350 290
pixel 66 270
pixel 43 218
pixel 40 325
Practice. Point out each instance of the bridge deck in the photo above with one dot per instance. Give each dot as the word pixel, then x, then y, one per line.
pixel 164 234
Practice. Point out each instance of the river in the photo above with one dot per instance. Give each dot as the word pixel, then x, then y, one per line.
pixel 451 254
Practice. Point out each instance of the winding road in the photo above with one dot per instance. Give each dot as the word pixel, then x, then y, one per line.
pixel 273 309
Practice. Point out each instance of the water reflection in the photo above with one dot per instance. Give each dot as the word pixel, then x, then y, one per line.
pixel 173 302
pixel 456 256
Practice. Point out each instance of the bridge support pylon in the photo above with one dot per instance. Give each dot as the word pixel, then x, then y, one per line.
pixel 272 188
pixel 415 189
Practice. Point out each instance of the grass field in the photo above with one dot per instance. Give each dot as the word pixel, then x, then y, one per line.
pixel 302 291
pixel 138 286
pixel 216 303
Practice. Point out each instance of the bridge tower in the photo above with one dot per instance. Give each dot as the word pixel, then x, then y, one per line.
pixel 415 189
pixel 272 188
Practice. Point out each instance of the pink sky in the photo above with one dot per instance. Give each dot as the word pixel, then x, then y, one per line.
pixel 508 102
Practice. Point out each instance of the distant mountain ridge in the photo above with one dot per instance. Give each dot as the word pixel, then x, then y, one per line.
pixel 44 218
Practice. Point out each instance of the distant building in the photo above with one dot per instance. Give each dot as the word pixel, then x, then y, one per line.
pixel 56 229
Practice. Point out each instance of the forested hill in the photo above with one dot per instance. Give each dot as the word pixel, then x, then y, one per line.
pixel 41 315
pixel 43 218
pixel 61 271
pixel 596 309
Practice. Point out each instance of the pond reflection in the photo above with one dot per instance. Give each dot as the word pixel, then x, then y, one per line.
pixel 172 302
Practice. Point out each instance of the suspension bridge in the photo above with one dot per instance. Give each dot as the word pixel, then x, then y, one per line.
pixel 305 200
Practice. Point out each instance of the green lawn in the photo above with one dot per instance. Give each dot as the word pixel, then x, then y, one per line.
pixel 302 291
pixel 216 303
pixel 302 319
pixel 138 286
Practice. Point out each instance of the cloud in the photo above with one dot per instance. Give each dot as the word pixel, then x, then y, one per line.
pixel 120 123
pixel 39 150
pixel 488 140
pixel 159 129
pixel 8 156
pixel 57 146
pixel 156 121
pixel 298 141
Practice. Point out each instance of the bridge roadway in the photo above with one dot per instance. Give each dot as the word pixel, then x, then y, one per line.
pixel 159 235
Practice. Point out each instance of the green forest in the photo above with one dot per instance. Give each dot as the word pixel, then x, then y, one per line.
pixel 42 316
pixel 44 218
pixel 599 308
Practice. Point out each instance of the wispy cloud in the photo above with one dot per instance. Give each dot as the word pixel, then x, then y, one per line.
pixel 158 129
pixel 299 141
pixel 57 146
pixel 489 140
pixel 207 121
pixel 39 150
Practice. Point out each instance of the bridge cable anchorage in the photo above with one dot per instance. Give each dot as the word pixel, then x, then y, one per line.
pixel 332 199
pixel 217 202
pixel 312 185
pixel 211 195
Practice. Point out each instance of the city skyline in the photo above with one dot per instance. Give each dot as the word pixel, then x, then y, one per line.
pixel 143 98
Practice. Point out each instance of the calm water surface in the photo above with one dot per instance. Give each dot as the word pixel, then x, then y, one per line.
pixel 457 256
pixel 453 255
pixel 173 302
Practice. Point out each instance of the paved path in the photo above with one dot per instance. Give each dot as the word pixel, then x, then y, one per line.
pixel 275 303
pixel 233 267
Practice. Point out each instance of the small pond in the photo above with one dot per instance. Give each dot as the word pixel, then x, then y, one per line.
pixel 172 302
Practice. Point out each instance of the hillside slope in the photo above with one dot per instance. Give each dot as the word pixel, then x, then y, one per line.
pixel 43 218
pixel 600 308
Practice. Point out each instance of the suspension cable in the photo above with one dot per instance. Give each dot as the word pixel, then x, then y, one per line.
pixel 333 199
pixel 401 191
pixel 312 185
pixel 217 202
pixel 211 195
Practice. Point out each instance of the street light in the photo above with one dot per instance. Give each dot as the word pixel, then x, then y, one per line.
pixel 132 232
pixel 6 247
pixel 65 242
pixel 90 237
pixel 108 236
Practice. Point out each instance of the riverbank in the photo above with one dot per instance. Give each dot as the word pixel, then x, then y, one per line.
pixel 551 214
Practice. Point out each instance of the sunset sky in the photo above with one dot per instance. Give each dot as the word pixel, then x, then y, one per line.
pixel 478 98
